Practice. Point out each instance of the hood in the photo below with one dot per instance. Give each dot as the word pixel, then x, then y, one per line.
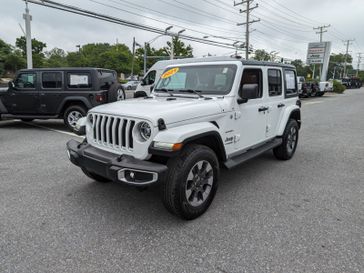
pixel 171 110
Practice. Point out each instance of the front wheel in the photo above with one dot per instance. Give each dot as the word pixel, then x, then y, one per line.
pixel 191 182
pixel 72 115
pixel 289 141
pixel 120 94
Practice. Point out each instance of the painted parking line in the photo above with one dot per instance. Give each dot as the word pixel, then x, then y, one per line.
pixel 313 102
pixel 53 130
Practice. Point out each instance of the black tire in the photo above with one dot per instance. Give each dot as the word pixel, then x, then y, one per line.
pixel 27 119
pixel 175 187
pixel 129 88
pixel 96 177
pixel 140 94
pixel 79 112
pixel 114 90
pixel 320 94
pixel 287 149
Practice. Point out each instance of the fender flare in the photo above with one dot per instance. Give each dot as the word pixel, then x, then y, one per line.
pixel 286 116
pixel 190 133
pixel 74 99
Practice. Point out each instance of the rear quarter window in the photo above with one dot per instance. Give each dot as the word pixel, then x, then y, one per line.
pixel 290 78
pixel 79 81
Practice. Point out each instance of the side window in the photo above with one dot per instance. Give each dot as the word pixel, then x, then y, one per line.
pixel 78 80
pixel 51 80
pixel 275 82
pixel 150 78
pixel 251 84
pixel 291 83
pixel 26 81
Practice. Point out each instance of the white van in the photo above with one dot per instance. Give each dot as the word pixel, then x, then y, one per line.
pixel 154 73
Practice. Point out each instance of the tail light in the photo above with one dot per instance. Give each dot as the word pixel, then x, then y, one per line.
pixel 100 98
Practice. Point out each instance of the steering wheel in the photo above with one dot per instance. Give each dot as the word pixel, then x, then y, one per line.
pixel 28 85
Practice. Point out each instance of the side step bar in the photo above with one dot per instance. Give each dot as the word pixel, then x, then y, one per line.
pixel 236 160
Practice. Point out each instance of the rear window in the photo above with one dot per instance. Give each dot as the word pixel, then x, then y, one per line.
pixel 79 80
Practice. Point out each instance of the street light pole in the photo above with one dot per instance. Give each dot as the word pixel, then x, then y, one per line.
pixel 27 17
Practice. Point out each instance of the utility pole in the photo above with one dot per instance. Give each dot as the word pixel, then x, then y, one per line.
pixel 135 44
pixel 27 17
pixel 247 23
pixel 348 43
pixel 321 30
pixel 359 62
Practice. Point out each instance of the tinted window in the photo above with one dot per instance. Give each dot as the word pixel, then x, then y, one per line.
pixel 52 80
pixel 25 80
pixel 251 84
pixel 275 82
pixel 79 80
pixel 291 82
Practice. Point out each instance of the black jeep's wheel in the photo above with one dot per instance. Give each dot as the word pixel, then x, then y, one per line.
pixel 120 94
pixel 95 177
pixel 27 119
pixel 290 139
pixel 72 115
pixel 191 182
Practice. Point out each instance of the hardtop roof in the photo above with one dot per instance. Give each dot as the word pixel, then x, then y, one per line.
pixel 66 69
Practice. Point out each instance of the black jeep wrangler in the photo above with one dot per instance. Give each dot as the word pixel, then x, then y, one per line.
pixel 66 93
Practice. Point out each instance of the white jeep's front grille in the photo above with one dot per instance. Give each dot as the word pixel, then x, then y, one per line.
pixel 113 132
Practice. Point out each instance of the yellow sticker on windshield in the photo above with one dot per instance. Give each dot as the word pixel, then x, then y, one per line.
pixel 170 73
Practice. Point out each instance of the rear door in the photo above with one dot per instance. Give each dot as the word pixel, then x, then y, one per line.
pixel 51 89
pixel 275 100
pixel 24 97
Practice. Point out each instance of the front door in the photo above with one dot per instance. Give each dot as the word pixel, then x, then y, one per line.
pixel 251 117
pixel 23 98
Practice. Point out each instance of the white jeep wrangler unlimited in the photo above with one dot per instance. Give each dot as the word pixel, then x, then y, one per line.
pixel 199 118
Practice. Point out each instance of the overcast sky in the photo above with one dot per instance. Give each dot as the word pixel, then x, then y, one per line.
pixel 286 25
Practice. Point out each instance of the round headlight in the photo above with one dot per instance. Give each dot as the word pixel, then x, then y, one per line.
pixel 145 130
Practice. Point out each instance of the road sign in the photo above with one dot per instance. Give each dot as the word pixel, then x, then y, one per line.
pixel 318 52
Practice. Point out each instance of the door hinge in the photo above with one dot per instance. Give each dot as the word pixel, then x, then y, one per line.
pixel 237 115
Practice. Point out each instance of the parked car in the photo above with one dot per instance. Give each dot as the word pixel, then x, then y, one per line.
pixel 131 85
pixel 200 117
pixel 66 93
pixel 352 82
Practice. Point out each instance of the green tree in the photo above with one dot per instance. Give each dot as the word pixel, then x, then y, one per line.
pixel 159 54
pixel 179 48
pixel 262 55
pixel 56 58
pixel 37 50
pixel 302 69
pixel 337 64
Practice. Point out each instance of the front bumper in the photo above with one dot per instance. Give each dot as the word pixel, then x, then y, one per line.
pixel 124 168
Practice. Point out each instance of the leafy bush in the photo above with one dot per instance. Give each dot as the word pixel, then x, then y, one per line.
pixel 338 87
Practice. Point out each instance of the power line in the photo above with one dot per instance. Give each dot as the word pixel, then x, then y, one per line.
pixel 95 15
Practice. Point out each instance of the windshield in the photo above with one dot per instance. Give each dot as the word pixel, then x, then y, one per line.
pixel 205 79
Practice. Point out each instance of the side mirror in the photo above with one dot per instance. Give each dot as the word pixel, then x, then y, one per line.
pixel 11 85
pixel 242 100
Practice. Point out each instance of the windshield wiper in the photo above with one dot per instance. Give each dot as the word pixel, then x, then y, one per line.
pixel 165 91
pixel 196 92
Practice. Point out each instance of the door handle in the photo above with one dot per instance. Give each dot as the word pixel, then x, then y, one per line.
pixel 281 105
pixel 263 109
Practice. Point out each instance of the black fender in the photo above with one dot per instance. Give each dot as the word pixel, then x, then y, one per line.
pixel 74 100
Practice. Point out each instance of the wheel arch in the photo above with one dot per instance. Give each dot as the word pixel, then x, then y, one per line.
pixel 292 112
pixel 80 101
pixel 204 133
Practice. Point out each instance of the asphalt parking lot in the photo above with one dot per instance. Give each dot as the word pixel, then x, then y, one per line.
pixel 303 215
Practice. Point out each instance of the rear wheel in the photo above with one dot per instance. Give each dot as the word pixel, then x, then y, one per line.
pixel 95 177
pixel 191 182
pixel 289 141
pixel 120 94
pixel 72 115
